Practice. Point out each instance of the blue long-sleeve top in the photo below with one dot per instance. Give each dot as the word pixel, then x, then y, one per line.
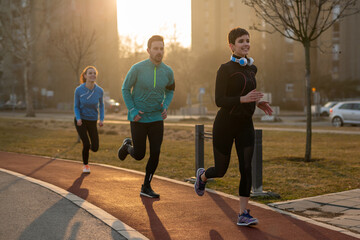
pixel 87 102
pixel 148 88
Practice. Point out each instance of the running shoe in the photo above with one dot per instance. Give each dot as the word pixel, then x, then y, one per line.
pixel 123 150
pixel 246 219
pixel 199 184
pixel 86 169
pixel 148 192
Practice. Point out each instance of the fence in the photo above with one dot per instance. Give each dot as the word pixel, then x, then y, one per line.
pixel 201 135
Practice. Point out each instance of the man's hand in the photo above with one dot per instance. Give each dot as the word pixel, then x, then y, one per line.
pixel 101 123
pixel 79 122
pixel 252 96
pixel 164 114
pixel 265 107
pixel 138 117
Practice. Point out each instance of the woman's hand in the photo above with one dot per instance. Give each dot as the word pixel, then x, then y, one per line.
pixel 138 117
pixel 265 107
pixel 79 122
pixel 101 123
pixel 252 96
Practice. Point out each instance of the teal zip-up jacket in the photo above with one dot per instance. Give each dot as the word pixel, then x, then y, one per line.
pixel 148 88
pixel 87 102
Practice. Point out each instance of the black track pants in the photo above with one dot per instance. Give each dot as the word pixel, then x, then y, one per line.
pixel 139 132
pixel 226 129
pixel 89 136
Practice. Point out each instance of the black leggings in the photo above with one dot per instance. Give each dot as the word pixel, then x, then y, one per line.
pixel 154 131
pixel 88 130
pixel 227 128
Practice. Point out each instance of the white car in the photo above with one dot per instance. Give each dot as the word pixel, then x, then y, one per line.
pixel 345 113
pixel 325 110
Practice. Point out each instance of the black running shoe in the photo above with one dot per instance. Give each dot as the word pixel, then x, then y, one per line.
pixel 148 192
pixel 199 184
pixel 123 150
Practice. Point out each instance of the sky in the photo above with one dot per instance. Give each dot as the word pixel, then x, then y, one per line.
pixel 140 19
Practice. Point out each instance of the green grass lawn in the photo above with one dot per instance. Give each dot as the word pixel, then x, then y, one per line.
pixel 335 166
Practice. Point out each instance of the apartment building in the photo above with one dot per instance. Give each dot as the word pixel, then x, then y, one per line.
pixel 280 60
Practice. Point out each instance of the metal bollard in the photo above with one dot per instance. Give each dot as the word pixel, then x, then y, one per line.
pixel 199 147
pixel 257 163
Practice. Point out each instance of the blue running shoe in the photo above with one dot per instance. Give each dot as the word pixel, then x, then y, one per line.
pixel 246 219
pixel 199 184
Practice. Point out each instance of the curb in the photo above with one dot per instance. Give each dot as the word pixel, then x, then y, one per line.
pixel 114 223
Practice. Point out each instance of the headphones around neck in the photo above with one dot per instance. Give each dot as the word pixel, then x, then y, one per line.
pixel 243 61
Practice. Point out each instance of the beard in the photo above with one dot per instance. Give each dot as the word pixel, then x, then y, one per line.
pixel 157 57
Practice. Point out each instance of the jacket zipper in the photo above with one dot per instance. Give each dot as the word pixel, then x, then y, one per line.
pixel 154 77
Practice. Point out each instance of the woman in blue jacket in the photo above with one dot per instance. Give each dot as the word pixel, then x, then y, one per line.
pixel 87 103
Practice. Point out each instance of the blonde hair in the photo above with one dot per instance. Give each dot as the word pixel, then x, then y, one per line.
pixel 82 77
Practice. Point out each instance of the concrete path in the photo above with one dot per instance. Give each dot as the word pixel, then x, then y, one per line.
pixel 339 209
pixel 30 211
pixel 178 214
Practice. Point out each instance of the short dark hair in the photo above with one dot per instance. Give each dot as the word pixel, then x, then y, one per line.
pixel 235 33
pixel 154 39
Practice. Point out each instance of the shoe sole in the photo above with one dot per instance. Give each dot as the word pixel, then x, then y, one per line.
pixel 247 224
pixel 149 196
pixel 197 174
pixel 122 156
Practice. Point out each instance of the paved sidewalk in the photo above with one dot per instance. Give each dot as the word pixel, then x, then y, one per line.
pixel 30 211
pixel 339 209
pixel 178 214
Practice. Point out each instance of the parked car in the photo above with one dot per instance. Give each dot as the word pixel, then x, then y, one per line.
pixel 112 106
pixel 11 105
pixel 345 113
pixel 325 110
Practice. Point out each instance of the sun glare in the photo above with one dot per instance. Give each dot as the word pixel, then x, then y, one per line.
pixel 140 19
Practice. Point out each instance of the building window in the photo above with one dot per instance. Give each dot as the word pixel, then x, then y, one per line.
pixel 231 4
pixel 207 29
pixel 336 50
pixel 289 40
pixel 289 87
pixel 289 52
pixel 290 33
pixel 335 69
pixel 290 57
pixel 336 12
pixel 24 3
pixel 336 32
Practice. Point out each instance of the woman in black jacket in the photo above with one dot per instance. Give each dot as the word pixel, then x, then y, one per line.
pixel 237 97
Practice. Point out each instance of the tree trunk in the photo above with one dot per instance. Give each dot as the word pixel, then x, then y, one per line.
pixel 308 101
pixel 28 91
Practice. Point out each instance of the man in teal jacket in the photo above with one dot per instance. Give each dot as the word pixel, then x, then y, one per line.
pixel 147 91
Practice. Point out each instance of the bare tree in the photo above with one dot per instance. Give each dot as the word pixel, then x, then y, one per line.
pixel 75 43
pixel 20 36
pixel 130 52
pixel 303 21
pixel 180 59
